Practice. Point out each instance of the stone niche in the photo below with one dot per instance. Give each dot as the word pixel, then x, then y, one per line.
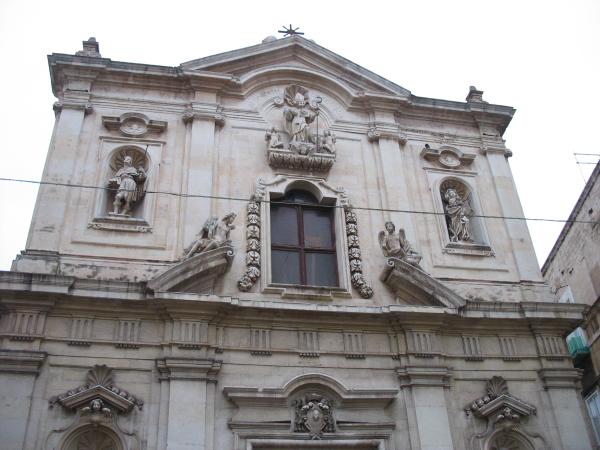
pixel 297 142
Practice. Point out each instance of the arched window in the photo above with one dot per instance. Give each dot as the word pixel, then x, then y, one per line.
pixel 303 241
pixel 92 438
pixel 509 441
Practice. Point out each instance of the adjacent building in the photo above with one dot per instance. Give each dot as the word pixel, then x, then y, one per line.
pixel 573 271
pixel 274 247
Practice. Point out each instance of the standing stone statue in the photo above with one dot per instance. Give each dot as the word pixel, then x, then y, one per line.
pixel 395 245
pixel 129 184
pixel 457 212
pixel 214 234
pixel 298 114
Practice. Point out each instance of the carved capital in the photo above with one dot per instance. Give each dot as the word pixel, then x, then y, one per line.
pixel 188 369
pixel 373 134
pixel 496 150
pixel 192 114
pixel 86 107
pixel 20 361
pixel 386 131
pixel 561 378
pixel 429 376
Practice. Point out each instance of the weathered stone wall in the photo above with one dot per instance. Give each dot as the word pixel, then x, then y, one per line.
pixel 209 139
pixel 108 335
pixel 220 388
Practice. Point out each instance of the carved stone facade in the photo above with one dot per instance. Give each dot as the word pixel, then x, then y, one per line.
pixel 286 330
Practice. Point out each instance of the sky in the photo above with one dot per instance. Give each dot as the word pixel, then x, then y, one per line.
pixel 540 57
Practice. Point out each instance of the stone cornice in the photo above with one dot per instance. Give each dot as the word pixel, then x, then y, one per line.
pixel 352 398
pixel 20 361
pixel 377 92
pixel 561 315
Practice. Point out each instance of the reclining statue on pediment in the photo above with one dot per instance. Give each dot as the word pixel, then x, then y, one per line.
pixel 395 245
pixel 214 234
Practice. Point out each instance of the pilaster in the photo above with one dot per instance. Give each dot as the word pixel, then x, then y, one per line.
pixel 389 142
pixel 18 372
pixel 191 411
pixel 496 153
pixel 563 388
pixel 52 201
pixel 202 120
pixel 429 425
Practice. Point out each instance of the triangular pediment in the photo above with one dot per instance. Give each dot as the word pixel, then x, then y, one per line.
pixel 296 54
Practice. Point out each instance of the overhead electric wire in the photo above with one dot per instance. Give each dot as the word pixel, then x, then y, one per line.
pixel 241 199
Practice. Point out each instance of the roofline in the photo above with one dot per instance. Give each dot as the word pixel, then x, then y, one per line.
pixel 396 92
pixel 572 217
pixel 288 41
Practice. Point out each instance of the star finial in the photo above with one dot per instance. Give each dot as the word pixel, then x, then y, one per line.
pixel 290 31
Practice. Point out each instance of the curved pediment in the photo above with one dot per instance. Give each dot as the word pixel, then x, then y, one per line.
pixel 197 274
pixel 413 286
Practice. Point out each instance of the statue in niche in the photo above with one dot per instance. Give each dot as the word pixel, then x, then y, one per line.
pixel 298 114
pixel 458 212
pixel 128 182
pixel 273 138
pixel 214 234
pixel 395 245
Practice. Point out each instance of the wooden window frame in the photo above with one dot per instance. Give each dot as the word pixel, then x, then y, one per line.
pixel 301 248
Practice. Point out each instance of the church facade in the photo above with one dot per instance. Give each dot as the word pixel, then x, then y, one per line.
pixel 276 248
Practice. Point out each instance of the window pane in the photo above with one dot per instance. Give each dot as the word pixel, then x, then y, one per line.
pixel 321 269
pixel 286 267
pixel 284 225
pixel 298 196
pixel 317 228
